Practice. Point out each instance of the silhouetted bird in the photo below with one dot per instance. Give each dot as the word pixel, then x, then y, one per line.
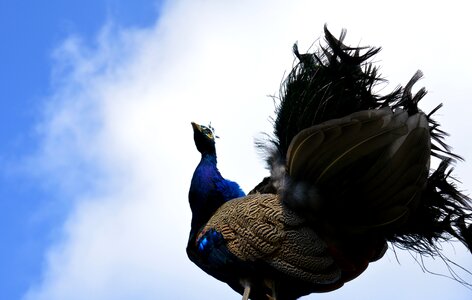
pixel 350 171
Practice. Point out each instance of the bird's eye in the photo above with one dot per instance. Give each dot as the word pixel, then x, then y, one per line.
pixel 208 132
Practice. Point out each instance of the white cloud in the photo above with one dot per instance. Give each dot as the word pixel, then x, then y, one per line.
pixel 118 140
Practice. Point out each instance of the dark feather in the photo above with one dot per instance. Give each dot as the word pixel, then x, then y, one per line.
pixel 337 81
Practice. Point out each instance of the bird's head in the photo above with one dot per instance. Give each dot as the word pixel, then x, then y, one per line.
pixel 204 138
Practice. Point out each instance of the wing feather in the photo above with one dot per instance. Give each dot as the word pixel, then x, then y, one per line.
pixel 257 228
pixel 370 166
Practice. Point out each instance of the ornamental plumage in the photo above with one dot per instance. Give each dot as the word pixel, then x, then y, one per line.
pixel 350 171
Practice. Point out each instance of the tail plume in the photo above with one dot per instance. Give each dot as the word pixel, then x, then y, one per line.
pixel 330 83
pixel 444 213
pixel 338 80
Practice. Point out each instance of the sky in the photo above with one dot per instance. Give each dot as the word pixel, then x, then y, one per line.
pixel 97 150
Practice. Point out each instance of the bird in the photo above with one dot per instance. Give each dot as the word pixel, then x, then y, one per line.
pixel 350 174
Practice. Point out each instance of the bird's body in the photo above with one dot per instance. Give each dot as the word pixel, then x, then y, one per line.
pixel 350 171
pixel 278 247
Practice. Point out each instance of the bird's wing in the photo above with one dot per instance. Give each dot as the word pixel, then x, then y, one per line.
pixel 371 164
pixel 257 228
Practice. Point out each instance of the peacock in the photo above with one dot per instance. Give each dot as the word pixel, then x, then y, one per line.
pixel 349 174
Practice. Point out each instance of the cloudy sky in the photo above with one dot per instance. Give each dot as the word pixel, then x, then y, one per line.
pixel 97 150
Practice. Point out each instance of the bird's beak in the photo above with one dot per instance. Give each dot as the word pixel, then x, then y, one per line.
pixel 196 127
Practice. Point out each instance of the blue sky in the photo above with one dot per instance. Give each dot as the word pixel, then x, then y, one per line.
pixel 30 31
pixel 97 150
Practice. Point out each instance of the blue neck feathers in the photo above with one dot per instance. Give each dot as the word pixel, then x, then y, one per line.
pixel 209 190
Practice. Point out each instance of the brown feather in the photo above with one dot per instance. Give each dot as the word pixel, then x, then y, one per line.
pixel 259 227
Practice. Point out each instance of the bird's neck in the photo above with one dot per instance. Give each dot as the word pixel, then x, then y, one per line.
pixel 203 198
pixel 208 158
